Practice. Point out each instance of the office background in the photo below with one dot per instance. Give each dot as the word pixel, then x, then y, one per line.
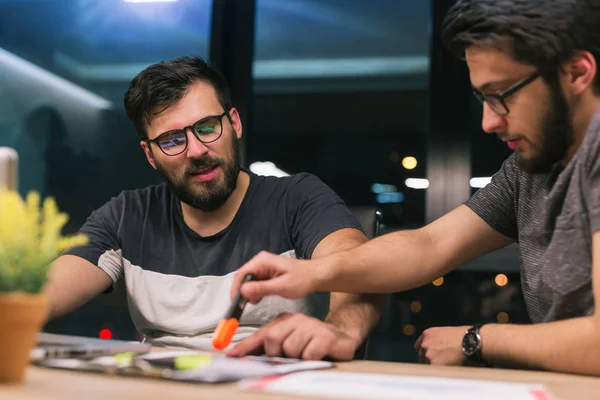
pixel 354 91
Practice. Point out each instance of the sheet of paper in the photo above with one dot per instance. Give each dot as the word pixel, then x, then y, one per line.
pixel 375 386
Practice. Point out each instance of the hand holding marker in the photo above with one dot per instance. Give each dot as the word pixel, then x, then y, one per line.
pixel 228 325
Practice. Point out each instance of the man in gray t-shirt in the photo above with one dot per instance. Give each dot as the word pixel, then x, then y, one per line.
pixel 534 67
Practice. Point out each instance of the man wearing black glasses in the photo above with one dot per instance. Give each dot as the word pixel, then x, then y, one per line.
pixel 534 66
pixel 178 244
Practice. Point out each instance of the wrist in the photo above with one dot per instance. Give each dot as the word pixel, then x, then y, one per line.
pixel 326 272
pixel 472 344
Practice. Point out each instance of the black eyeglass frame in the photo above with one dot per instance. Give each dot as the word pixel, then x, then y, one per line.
pixel 218 117
pixel 498 99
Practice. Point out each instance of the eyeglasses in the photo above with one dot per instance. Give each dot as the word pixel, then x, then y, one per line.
pixel 496 101
pixel 207 130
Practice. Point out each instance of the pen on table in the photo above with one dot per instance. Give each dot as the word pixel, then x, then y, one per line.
pixel 228 325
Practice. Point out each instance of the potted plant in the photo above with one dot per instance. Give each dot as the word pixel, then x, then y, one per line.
pixel 30 239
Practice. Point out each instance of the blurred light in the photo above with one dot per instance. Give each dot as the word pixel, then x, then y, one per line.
pixel 480 182
pixel 438 282
pixel 390 198
pixel 417 183
pixel 55 82
pixel 416 306
pixel 383 188
pixel 105 334
pixel 266 168
pixel 340 67
pixel 502 317
pixel 501 280
pixel 408 329
pixel 394 157
pixel 409 162
pixel 149 1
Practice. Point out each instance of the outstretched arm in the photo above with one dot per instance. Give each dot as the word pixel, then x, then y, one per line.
pixel 394 262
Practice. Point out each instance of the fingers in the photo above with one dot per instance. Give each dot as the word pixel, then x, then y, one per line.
pixel 423 357
pixel 297 336
pixel 419 342
pixel 316 349
pixel 329 344
pixel 252 345
pixel 254 291
pixel 276 336
pixel 420 350
pixel 264 266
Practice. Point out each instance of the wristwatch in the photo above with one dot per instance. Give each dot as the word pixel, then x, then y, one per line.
pixel 471 344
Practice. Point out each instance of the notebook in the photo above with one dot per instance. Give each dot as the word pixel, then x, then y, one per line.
pixel 52 346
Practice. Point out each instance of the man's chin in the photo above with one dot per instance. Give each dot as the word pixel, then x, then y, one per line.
pixel 534 164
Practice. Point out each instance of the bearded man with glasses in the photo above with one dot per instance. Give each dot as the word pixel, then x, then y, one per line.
pixel 534 65
pixel 178 244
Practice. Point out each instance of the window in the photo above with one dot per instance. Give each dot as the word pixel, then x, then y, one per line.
pixel 341 91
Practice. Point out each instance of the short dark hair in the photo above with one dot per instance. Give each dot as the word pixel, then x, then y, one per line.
pixel 543 33
pixel 161 85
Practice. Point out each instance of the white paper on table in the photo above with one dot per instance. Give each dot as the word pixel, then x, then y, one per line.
pixel 223 369
pixel 377 386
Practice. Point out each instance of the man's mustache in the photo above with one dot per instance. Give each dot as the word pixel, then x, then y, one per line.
pixel 202 163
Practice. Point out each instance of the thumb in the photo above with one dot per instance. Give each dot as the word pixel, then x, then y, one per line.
pixel 254 291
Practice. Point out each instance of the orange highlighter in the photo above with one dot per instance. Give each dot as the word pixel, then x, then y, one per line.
pixel 228 325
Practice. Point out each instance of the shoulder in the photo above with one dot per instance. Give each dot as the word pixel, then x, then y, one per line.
pixel 590 148
pixel 154 193
pixel 303 179
pixel 135 201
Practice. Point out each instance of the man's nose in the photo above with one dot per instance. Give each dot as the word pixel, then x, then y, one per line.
pixel 491 121
pixel 196 148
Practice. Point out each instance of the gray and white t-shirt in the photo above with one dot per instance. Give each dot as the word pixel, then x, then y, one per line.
pixel 553 217
pixel 178 282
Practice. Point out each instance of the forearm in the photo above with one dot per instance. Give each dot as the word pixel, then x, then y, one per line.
pixel 394 262
pixel 571 346
pixel 408 259
pixel 72 282
pixel 356 315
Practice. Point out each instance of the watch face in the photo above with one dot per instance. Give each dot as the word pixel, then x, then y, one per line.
pixel 471 343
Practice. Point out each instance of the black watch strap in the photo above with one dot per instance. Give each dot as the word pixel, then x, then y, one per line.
pixel 476 356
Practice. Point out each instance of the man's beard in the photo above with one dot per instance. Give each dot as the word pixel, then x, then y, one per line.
pixel 556 135
pixel 212 194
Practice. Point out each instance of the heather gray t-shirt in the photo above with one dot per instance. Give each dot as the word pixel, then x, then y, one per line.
pixel 552 216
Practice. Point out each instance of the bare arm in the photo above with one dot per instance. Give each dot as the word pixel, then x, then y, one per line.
pixel 571 345
pixel 355 314
pixel 408 259
pixel 72 282
pixel 390 263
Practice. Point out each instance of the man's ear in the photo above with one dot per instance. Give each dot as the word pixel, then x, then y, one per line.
pixel 236 122
pixel 581 71
pixel 148 152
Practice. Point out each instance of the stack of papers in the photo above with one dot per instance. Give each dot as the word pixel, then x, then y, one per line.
pixel 187 366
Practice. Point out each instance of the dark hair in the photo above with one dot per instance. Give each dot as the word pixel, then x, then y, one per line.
pixel 161 85
pixel 543 33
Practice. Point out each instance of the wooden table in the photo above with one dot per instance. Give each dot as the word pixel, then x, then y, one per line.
pixel 41 383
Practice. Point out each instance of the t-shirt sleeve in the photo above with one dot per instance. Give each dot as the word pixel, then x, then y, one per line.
pixel 495 203
pixel 103 248
pixel 314 212
pixel 592 173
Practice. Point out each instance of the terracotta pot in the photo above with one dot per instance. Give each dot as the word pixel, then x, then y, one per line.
pixel 22 316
